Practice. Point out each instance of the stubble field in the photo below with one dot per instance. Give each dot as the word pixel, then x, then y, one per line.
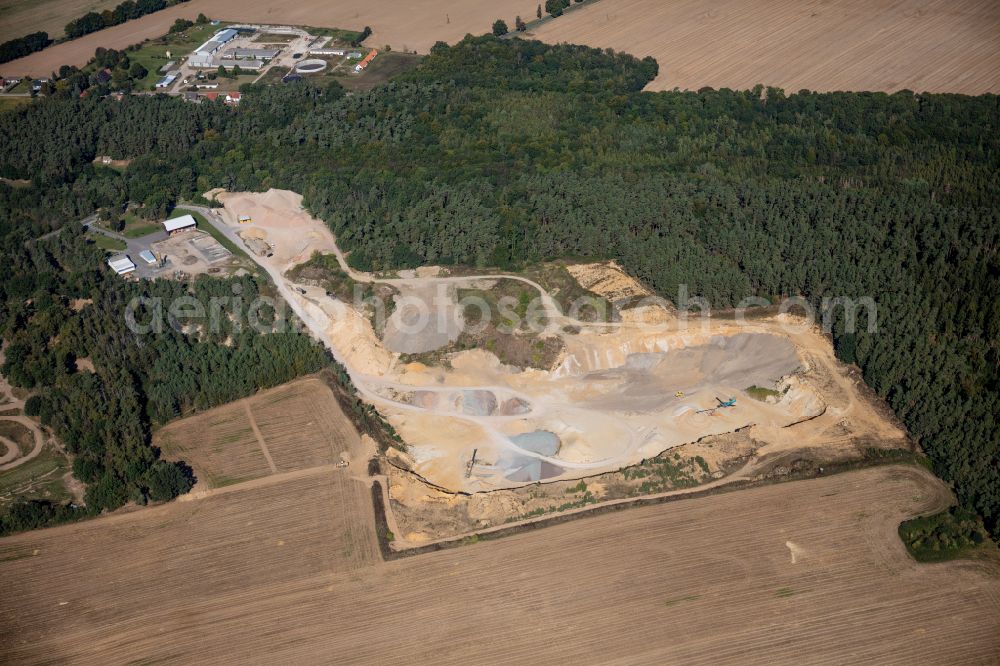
pixel 264 571
pixel 292 427
pixel 922 45
pixel 20 17
pixel 823 45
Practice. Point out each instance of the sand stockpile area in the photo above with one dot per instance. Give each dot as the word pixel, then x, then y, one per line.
pixel 619 393
pixel 277 216
pixel 607 280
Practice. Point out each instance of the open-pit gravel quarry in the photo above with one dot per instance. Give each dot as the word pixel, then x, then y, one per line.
pixel 620 391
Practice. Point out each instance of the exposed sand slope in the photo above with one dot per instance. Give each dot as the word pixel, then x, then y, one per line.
pixel 267 573
pixel 921 45
pixel 607 280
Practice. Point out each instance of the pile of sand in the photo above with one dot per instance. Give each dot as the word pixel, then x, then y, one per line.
pixel 278 216
pixel 608 280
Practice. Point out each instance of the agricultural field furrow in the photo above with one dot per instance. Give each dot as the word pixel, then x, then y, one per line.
pixel 304 427
pixel 301 424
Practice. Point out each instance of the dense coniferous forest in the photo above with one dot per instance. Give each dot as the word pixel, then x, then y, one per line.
pixel 506 152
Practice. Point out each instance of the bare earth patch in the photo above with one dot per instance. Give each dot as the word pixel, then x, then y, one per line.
pixel 608 280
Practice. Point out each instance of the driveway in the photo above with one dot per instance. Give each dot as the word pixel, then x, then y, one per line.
pixel 133 246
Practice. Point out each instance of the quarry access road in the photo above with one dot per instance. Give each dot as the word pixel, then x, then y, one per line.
pixel 363 383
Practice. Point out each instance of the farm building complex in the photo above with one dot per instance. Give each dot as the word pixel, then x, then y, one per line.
pixel 204 55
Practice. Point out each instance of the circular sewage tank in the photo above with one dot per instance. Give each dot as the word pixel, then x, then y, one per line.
pixel 311 66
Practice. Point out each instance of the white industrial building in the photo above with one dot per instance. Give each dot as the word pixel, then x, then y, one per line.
pixel 167 80
pixel 245 65
pixel 328 52
pixel 250 54
pixel 177 224
pixel 204 55
pixel 121 264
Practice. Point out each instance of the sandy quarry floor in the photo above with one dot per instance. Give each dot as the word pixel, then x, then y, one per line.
pixel 621 392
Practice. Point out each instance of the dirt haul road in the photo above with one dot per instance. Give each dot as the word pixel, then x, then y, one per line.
pixel 621 392
pixel 263 573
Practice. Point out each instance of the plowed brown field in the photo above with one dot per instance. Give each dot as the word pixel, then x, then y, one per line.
pixel 282 569
pixel 920 45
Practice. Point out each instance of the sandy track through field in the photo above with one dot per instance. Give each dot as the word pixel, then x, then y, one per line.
pixel 294 426
pixel 259 436
pixel 707 580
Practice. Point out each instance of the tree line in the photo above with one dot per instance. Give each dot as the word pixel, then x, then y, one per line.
pixel 22 46
pixel 83 25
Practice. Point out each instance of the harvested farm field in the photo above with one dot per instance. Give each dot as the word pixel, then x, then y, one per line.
pixel 292 427
pixel 265 571
pixel 822 45
pixel 20 17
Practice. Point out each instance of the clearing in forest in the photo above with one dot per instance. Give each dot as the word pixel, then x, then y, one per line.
pixel 292 427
